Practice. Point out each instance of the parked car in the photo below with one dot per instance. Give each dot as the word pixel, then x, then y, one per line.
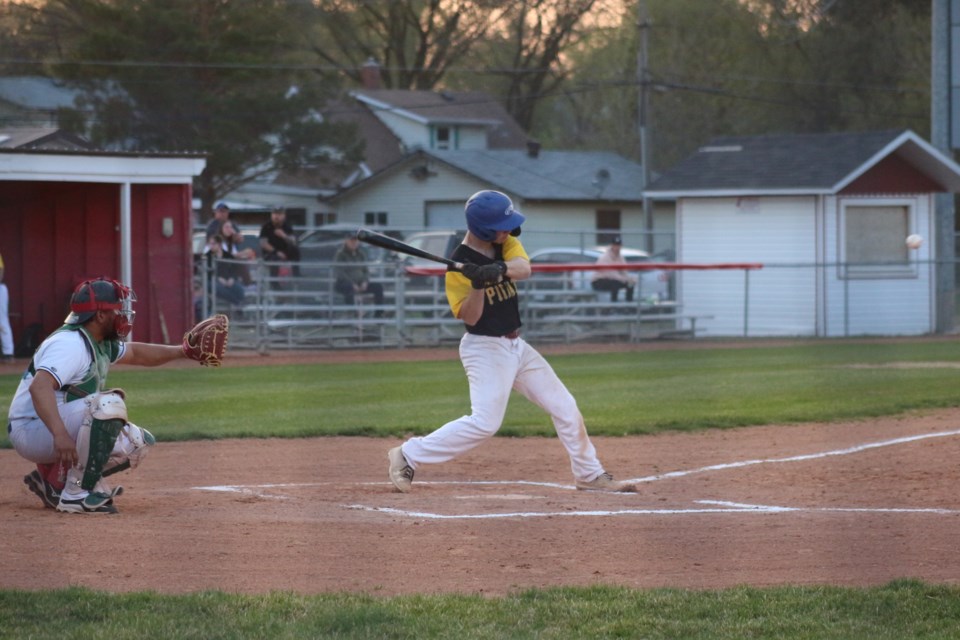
pixel 320 245
pixel 439 243
pixel 654 284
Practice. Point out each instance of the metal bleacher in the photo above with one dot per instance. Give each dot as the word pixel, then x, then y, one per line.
pixel 304 312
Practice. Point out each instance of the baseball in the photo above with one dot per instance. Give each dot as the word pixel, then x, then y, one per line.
pixel 914 241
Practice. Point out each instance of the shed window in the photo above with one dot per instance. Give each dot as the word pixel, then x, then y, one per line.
pixel 873 242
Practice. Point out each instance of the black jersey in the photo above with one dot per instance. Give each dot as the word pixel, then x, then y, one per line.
pixel 501 309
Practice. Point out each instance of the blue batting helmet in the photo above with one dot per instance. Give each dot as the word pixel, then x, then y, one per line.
pixel 489 212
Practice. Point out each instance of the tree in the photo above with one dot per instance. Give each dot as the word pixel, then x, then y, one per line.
pixel 733 68
pixel 512 48
pixel 414 41
pixel 539 33
pixel 855 66
pixel 228 78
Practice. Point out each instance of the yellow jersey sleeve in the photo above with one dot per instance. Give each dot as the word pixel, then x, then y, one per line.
pixel 458 287
pixel 513 249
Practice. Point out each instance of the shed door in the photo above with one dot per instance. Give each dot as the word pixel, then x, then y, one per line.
pixel 780 232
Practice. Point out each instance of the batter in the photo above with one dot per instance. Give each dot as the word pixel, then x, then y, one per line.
pixel 495 357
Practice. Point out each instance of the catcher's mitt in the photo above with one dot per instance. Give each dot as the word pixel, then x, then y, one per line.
pixel 207 341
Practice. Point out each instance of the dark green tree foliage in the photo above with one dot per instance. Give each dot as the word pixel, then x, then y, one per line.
pixel 227 78
pixel 854 65
pixel 732 67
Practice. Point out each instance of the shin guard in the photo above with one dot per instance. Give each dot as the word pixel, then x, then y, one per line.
pixel 107 414
pixel 101 436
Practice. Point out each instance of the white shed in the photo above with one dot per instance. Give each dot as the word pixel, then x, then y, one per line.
pixel 827 215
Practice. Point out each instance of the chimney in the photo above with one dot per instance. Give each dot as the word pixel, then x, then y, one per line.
pixel 370 74
pixel 533 149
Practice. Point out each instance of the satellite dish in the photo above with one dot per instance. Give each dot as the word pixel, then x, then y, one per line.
pixel 601 179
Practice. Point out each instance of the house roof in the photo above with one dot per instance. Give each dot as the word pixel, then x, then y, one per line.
pixel 548 176
pixel 37 138
pixel 36 93
pixel 382 147
pixel 449 108
pixel 822 163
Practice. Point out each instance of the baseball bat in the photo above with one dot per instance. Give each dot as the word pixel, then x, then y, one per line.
pixel 163 318
pixel 398 246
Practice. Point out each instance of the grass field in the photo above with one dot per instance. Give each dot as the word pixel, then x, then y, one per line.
pixel 620 394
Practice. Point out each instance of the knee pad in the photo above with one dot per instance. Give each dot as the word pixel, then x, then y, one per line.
pixel 108 406
pixel 131 447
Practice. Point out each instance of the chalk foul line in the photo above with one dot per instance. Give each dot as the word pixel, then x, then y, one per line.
pixel 720 508
pixel 800 458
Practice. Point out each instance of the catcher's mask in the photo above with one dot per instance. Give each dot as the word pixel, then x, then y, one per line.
pixel 103 294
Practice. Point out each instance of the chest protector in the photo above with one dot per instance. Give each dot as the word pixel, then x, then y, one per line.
pixel 101 355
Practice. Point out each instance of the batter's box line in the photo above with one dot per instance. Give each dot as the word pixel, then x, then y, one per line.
pixel 254 489
pixel 799 458
pixel 724 508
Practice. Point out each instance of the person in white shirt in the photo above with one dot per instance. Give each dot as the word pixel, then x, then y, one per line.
pixel 613 280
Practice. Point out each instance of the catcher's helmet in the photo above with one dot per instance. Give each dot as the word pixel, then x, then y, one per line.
pixel 489 212
pixel 103 293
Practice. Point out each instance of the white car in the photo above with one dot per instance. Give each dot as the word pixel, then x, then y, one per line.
pixel 654 284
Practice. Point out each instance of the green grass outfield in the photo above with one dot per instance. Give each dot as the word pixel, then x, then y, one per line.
pixel 623 393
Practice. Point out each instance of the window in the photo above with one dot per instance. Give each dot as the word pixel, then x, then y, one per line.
pixel 321 218
pixel 375 218
pixel 608 225
pixel 443 137
pixel 873 237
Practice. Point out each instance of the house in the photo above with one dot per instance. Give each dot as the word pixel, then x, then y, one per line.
pixel 70 213
pixel 33 101
pixel 425 152
pixel 38 138
pixel 567 196
pixel 827 215
pixel 390 124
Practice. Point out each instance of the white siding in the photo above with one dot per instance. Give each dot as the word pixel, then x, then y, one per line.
pixel 407 201
pixel 417 134
pixel 469 138
pixel 889 306
pixel 778 232
pixel 404 197
pixel 409 132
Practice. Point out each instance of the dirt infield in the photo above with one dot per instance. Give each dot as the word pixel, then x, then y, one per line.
pixel 857 503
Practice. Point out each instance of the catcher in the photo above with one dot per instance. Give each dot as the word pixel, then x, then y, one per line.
pixel 64 419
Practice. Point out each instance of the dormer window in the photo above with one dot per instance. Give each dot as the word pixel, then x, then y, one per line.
pixel 443 138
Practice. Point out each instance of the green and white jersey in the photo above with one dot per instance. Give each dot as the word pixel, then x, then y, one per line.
pixel 76 360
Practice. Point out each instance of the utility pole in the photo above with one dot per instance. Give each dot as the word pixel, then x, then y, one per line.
pixel 643 108
pixel 944 136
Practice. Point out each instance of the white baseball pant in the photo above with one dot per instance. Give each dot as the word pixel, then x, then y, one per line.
pixel 494 366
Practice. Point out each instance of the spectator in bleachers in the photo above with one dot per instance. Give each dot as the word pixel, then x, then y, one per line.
pixel 232 244
pixel 279 242
pixel 221 212
pixel 613 280
pixel 225 281
pixel 353 274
